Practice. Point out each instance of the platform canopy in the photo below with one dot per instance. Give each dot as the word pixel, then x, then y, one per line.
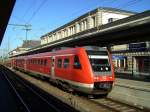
pixel 6 7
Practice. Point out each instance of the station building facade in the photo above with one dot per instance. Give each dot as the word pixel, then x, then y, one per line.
pixel 92 19
pixel 132 58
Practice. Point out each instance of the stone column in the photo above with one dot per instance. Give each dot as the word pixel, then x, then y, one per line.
pixel 98 18
pixel 68 31
pixel 124 66
pixel 89 22
pixel 119 64
pixel 76 27
pixel 134 64
pixel 147 44
pixel 53 37
pixel 62 33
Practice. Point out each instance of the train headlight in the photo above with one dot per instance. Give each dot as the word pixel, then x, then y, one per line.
pixel 106 68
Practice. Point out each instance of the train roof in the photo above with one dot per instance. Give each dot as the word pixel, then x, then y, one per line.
pixel 65 51
pixel 47 54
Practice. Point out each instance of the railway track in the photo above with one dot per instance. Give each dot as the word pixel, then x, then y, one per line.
pixel 31 98
pixel 115 106
pixel 109 104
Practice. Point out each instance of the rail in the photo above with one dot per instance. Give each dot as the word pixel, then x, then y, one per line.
pixel 32 97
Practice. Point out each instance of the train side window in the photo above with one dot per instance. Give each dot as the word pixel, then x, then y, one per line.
pixel 59 63
pixel 34 61
pixel 77 64
pixel 41 62
pixel 38 61
pixel 66 63
pixel 45 62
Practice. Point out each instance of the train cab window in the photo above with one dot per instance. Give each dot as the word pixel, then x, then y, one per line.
pixel 100 63
pixel 66 63
pixel 77 64
pixel 59 63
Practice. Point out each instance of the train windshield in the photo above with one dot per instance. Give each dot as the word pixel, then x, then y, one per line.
pixel 99 61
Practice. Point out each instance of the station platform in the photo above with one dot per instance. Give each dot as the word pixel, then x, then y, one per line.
pixel 145 86
pixel 132 92
pixel 8 102
pixel 138 76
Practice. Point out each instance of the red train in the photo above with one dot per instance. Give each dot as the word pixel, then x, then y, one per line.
pixel 85 69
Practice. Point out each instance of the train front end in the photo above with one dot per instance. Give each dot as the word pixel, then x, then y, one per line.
pixel 102 70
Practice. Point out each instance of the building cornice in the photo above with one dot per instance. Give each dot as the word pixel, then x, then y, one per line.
pixel 100 9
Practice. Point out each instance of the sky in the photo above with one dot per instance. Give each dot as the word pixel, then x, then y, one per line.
pixel 47 15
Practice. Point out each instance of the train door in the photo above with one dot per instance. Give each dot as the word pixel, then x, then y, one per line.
pixel 52 67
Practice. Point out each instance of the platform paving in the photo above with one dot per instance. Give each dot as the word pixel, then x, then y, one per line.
pixel 136 93
pixel 138 76
pixel 145 86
